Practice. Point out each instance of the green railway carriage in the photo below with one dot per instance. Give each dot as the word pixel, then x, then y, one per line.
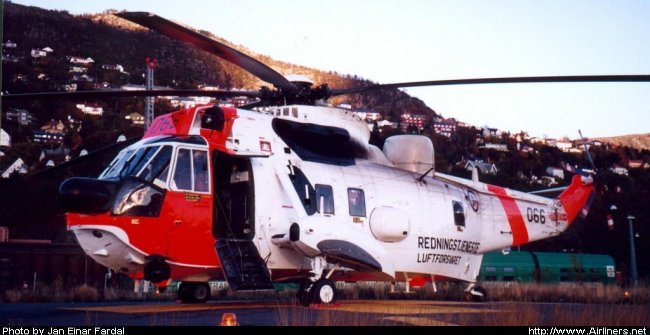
pixel 547 267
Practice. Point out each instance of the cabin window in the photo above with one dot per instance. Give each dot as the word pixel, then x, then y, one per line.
pixel 200 164
pixel 459 213
pixel 356 202
pixel 324 199
pixel 183 172
pixel 191 172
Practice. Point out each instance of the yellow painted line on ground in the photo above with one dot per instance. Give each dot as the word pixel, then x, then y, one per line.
pixel 403 307
pixel 410 307
pixel 418 321
pixel 126 309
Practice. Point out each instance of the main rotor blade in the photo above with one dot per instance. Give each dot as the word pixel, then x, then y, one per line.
pixel 178 32
pixel 117 146
pixel 503 80
pixel 127 93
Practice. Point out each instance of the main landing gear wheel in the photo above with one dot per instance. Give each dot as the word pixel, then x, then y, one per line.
pixel 189 292
pixel 323 292
pixel 477 294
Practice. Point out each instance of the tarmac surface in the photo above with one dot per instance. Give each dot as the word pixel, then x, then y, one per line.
pixel 288 313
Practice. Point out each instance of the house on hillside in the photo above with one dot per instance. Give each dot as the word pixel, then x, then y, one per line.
pixel 136 119
pixel 386 123
pixel 114 67
pixel 490 132
pixel 367 115
pixel 445 127
pixel 17 166
pixel 209 88
pixel 525 148
pixel 51 132
pixel 21 116
pixel 635 163
pixel 38 53
pixel 80 60
pixel 555 172
pixel 564 145
pixel 91 109
pixel 5 139
pixel 482 167
pixel 538 140
pixel 78 69
pixel 415 120
pixel 9 45
pixel 619 170
pixel 495 146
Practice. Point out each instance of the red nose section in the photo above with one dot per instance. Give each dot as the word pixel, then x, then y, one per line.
pixel 577 197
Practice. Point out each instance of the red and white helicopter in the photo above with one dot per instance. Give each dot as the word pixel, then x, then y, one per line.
pixel 295 192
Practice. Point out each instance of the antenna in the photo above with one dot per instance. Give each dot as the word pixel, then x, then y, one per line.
pixel 425 174
pixel 148 105
pixel 591 161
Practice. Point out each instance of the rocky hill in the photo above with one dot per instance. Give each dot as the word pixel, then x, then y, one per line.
pixel 636 141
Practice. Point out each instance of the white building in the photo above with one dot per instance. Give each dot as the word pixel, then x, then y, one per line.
pixel 5 139
pixel 80 60
pixel 555 172
pixel 17 166
pixel 9 45
pixel 564 145
pixel 38 53
pixel 496 146
pixel 89 109
pixel 482 167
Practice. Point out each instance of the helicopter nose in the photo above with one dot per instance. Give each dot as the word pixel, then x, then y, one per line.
pixel 86 195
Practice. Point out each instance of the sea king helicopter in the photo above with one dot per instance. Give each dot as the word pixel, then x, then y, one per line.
pixel 294 192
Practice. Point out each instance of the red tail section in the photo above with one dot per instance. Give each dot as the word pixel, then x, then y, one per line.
pixel 577 197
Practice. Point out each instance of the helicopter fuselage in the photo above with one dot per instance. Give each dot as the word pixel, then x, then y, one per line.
pixel 250 178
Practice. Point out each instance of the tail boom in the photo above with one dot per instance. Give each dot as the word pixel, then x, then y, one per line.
pixel 577 198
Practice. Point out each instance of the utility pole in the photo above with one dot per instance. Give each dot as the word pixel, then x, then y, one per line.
pixel 633 273
pixel 148 106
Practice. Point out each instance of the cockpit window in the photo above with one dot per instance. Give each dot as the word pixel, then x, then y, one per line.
pixel 156 169
pixel 150 163
pixel 114 168
pixel 153 163
pixel 191 172
pixel 137 161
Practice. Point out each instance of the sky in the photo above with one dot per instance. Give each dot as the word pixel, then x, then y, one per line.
pixel 389 41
